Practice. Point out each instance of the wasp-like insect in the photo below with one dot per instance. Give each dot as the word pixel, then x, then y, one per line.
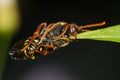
pixel 48 38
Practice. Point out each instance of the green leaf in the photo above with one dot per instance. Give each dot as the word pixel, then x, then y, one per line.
pixel 111 33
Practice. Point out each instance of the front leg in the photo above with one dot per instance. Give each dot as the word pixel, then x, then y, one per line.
pixel 36 34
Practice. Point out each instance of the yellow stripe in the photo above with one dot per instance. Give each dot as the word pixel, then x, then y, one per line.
pixel 32 56
pixel 41 49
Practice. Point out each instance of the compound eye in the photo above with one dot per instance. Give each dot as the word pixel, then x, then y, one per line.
pixel 73 30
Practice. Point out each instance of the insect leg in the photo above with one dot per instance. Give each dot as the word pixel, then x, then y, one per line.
pixel 36 34
pixel 63 33
pixel 49 27
pixel 44 51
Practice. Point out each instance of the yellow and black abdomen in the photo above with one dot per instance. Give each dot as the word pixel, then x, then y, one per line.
pixel 15 52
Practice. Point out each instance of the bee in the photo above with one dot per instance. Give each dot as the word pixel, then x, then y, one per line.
pixel 48 38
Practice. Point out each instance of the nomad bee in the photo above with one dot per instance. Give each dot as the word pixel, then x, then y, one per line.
pixel 48 38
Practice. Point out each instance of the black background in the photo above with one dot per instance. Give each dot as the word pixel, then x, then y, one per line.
pixel 83 59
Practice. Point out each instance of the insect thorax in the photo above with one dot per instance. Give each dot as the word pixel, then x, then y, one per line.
pixel 54 36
